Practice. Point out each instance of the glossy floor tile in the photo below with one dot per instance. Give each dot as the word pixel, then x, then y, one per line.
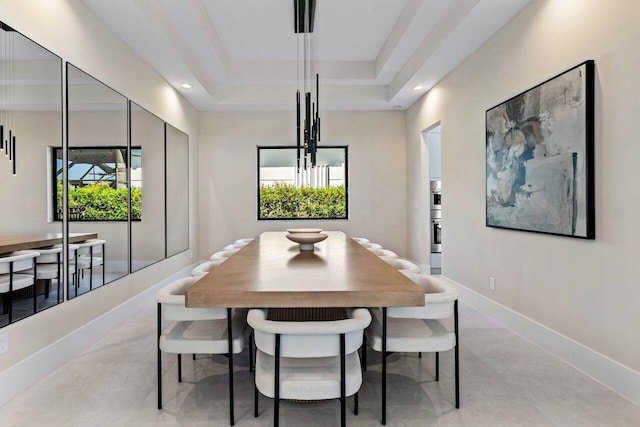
pixel 505 381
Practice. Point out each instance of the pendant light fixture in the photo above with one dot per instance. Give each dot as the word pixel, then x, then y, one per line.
pixel 7 93
pixel 307 131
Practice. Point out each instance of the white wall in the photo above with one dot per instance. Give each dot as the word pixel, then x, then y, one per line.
pixel 68 29
pixel 585 290
pixel 228 177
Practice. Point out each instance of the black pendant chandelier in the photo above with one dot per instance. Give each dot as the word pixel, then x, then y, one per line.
pixel 7 94
pixel 307 132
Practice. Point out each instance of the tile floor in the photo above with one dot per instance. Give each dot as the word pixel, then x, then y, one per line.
pixel 505 381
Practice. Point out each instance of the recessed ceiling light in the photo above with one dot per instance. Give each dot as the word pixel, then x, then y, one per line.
pixel 418 87
pixel 186 86
pixel 397 107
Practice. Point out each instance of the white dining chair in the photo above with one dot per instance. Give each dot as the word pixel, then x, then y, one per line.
pixel 197 330
pixel 231 247
pixel 361 240
pixel 13 267
pixel 49 267
pixel 244 242
pixel 91 254
pixel 223 254
pixel 384 253
pixel 370 245
pixel 402 265
pixel 308 360
pixel 206 267
pixel 419 329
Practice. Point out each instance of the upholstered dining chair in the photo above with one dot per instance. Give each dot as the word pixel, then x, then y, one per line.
pixel 402 265
pixel 197 330
pixel 50 266
pixel 370 245
pixel 384 252
pixel 231 247
pixel 243 242
pixel 308 360
pixel 13 267
pixel 206 267
pixel 419 329
pixel 223 254
pixel 361 240
pixel 91 254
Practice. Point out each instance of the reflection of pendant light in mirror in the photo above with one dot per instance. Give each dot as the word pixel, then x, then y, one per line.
pixel 307 131
pixel 7 79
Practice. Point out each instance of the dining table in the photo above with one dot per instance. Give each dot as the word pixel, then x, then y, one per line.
pixel 33 241
pixel 272 272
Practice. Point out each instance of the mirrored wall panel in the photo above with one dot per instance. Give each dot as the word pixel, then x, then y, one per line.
pixel 177 152
pixel 30 126
pixel 147 188
pixel 97 168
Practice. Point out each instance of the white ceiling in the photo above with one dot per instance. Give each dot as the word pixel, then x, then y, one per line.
pixel 242 54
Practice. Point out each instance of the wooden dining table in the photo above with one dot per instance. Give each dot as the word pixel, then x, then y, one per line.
pixel 272 272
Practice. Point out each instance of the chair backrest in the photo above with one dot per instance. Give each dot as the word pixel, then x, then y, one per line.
pixel 50 255
pixel 243 242
pixel 231 247
pixel 384 252
pixel 439 298
pixel 370 245
pixel 360 240
pixel 402 265
pixel 22 260
pixel 89 246
pixel 309 339
pixel 206 267
pixel 73 251
pixel 173 303
pixel 223 254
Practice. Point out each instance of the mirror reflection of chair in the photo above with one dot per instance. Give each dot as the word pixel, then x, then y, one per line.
pixel 206 267
pixel 223 254
pixel 308 360
pixel 384 252
pixel 50 267
pixel 91 254
pixel 402 265
pixel 197 330
pixel 419 329
pixel 11 278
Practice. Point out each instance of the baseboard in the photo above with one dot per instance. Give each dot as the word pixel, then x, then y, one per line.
pixel 35 367
pixel 612 374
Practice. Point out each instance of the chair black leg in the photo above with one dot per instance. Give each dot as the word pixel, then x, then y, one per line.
pixel 355 404
pixel 343 382
pixel 159 357
pixel 251 352
pixel 384 365
pixel 194 356
pixel 255 401
pixel 276 385
pixel 420 355
pixel 179 368
pixel 457 361
pixel 230 343
pixel 364 353
pixel 437 366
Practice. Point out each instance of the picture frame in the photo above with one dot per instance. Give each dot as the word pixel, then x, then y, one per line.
pixel 540 157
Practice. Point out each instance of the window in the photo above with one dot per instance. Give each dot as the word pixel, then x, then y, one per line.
pixel 317 193
pixel 98 189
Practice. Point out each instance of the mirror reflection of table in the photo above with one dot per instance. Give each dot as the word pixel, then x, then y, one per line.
pixel 33 241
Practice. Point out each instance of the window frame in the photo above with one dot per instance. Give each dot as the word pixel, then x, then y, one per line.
pixel 293 147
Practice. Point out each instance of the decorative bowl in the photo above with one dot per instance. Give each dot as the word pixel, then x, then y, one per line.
pixel 306 240
pixel 304 230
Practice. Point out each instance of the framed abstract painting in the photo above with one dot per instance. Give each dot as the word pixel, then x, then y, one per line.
pixel 539 157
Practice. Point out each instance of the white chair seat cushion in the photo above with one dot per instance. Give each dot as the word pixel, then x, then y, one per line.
pixel 19 281
pixel 409 335
pixel 47 271
pixel 204 336
pixel 308 378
